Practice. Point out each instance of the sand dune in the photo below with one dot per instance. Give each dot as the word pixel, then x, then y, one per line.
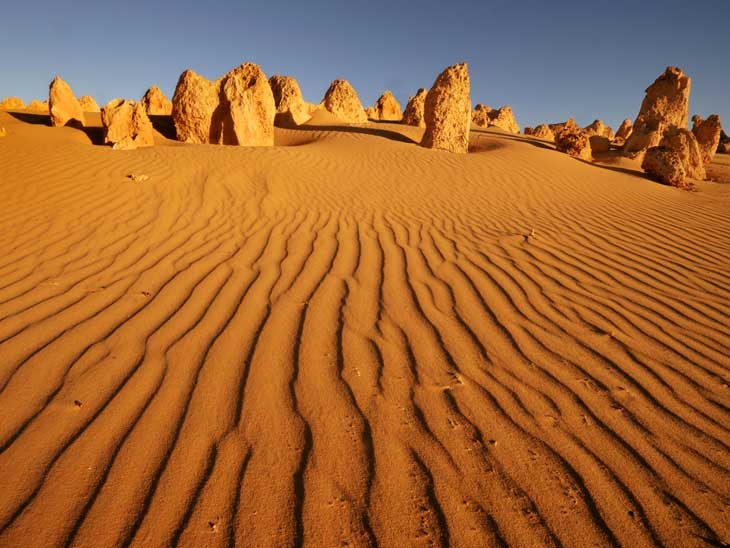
pixel 349 340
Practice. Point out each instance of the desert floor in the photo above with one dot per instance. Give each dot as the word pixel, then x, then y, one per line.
pixel 349 340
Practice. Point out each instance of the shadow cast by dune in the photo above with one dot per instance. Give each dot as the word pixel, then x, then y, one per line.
pixel 32 118
pixel 387 134
pixel 624 170
pixel 94 133
pixel 520 139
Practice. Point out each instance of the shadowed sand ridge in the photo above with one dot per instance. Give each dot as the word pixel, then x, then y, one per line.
pixel 355 341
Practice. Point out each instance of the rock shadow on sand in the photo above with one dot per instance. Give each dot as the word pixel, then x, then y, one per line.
pixel 385 133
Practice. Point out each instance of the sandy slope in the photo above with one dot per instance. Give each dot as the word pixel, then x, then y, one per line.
pixel 353 341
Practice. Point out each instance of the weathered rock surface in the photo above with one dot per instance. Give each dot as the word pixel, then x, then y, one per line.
pixel 88 104
pixel 624 130
pixel 237 109
pixel 37 105
pixel 480 115
pixel 707 132
pixel 447 111
pixel 155 102
pixel 596 128
pixel 12 103
pixel 290 105
pixel 573 141
pixel 599 128
pixel 194 106
pixel 664 165
pixel 63 105
pixel 388 108
pixel 683 142
pixel 557 128
pixel 371 113
pixel 414 113
pixel 126 125
pixel 504 118
pixel 528 130
pixel 248 107
pixel 599 143
pixel 341 100
pixel 665 104
pixel 543 131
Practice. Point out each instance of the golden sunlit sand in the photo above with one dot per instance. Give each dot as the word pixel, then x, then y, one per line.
pixel 350 340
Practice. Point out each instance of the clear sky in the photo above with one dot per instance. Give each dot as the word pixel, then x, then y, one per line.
pixel 548 59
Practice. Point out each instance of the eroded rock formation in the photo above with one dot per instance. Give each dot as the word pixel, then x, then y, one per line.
pixel 126 125
pixel 63 105
pixel 707 132
pixel 12 103
pixel 236 109
pixel 88 104
pixel 155 102
pixel 414 113
pixel 447 111
pixel 665 104
pixel 664 165
pixel 341 100
pixel 290 105
pixel 574 141
pixel 388 108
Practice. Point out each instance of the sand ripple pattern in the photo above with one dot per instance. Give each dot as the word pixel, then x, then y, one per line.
pixel 285 348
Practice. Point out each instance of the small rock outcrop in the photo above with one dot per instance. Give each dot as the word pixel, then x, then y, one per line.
pixel 599 143
pixel 88 104
pixel 683 142
pixel 387 108
pixel 664 165
pixel 37 105
pixel 528 130
pixel 665 104
pixel 341 100
pixel 126 125
pixel 707 132
pixel 290 105
pixel 155 102
pixel 447 111
pixel 237 109
pixel 543 131
pixel 371 113
pixel 414 113
pixel 504 118
pixel 599 129
pixel 624 130
pixel 557 128
pixel 480 115
pixel 574 141
pixel 12 103
pixel 63 105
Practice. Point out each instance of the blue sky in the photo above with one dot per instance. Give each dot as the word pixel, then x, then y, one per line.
pixel 549 60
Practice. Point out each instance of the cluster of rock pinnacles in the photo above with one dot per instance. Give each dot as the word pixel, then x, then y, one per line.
pixel 242 107
pixel 669 152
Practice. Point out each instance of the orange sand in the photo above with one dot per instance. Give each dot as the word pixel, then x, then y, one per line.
pixel 349 340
